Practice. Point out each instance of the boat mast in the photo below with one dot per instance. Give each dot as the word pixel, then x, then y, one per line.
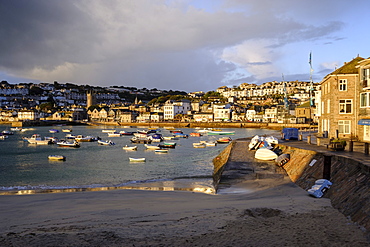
pixel 286 103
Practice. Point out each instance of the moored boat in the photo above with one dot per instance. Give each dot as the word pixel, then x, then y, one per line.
pixel 36 139
pixel 81 138
pixel 221 132
pixel 56 157
pixel 53 131
pixel 107 143
pixel 167 145
pixel 197 134
pixel 199 145
pixel 129 148
pixel 137 159
pixel 66 130
pixel 161 150
pixel 66 144
pixel 224 140
pixel 151 147
pixel 114 134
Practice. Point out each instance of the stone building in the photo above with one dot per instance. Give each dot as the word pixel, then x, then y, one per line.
pixel 345 101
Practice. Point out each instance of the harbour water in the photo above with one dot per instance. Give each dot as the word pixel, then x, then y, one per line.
pixel 26 169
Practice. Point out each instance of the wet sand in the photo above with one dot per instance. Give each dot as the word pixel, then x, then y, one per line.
pixel 264 211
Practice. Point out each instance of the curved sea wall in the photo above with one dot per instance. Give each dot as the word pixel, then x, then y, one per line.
pixel 350 192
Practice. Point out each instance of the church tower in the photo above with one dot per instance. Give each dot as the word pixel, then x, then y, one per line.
pixel 90 99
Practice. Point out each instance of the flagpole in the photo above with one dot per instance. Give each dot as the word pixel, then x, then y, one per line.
pixel 311 96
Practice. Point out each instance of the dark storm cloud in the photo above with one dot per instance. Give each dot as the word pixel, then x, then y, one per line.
pixel 152 43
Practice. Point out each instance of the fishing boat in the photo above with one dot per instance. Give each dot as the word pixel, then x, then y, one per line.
pixel 151 147
pixel 81 138
pixel 66 144
pixel 199 145
pixel 161 150
pixel 137 159
pixel 129 148
pixel 56 157
pixel 221 132
pixel 36 139
pixel 141 139
pixel 107 143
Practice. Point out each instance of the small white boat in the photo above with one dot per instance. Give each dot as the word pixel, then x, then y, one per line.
pixel 210 144
pixel 221 132
pixel 56 157
pixel 129 147
pixel 66 130
pixel 114 134
pixel 265 154
pixel 108 130
pixel 161 150
pixel 151 147
pixel 272 140
pixel 199 145
pixel 66 144
pixel 16 129
pixel 137 159
pixel 254 142
pixel 3 137
pixel 107 143
pixel 53 131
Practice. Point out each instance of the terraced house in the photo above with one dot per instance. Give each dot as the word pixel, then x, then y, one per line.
pixel 345 101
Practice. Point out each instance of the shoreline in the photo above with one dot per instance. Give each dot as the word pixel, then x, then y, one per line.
pixel 261 211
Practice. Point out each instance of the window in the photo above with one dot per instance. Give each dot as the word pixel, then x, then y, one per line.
pixel 323 107
pixel 344 127
pixel 345 106
pixel 328 105
pixel 343 85
pixel 364 100
pixel 366 77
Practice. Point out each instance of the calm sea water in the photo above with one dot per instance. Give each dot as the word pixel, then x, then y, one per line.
pixel 25 168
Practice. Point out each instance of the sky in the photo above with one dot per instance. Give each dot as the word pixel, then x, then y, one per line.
pixel 187 45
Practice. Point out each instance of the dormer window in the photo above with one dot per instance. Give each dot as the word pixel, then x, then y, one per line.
pixel 343 85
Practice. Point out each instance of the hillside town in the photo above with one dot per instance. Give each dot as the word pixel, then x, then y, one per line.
pixel 339 104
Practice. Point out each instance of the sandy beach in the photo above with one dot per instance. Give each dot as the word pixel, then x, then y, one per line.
pixel 263 210
pixel 280 214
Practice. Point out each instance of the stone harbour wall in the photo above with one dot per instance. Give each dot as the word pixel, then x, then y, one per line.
pixel 350 192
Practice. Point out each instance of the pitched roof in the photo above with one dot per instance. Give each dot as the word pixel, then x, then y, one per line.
pixel 348 68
